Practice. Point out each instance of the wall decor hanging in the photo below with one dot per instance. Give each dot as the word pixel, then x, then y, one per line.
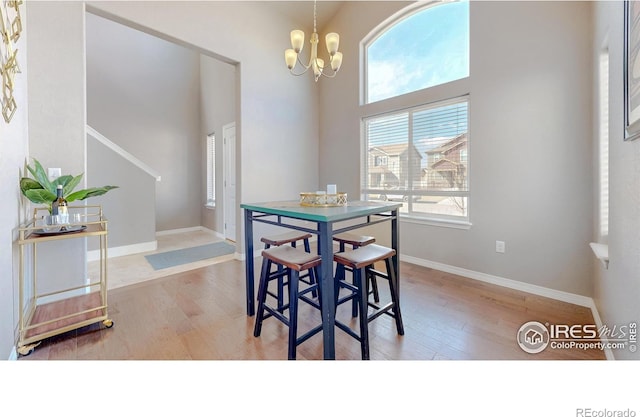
pixel 10 30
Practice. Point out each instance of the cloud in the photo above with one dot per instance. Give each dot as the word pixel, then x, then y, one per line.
pixel 388 79
pixel 424 50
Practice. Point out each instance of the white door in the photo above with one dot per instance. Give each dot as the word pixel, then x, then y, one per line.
pixel 229 166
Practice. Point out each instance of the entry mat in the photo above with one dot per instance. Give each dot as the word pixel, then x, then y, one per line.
pixel 184 256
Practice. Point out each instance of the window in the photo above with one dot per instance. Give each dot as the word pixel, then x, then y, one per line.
pixel 415 148
pixel 603 152
pixel 427 153
pixel 421 49
pixel 211 170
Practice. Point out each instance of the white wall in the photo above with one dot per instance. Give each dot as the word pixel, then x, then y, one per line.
pixel 617 289
pixel 530 140
pixel 14 149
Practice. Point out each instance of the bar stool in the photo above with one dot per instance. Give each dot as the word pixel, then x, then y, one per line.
pixel 360 261
pixel 293 261
pixel 291 238
pixel 358 241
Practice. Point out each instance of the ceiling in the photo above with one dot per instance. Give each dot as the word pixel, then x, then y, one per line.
pixel 303 10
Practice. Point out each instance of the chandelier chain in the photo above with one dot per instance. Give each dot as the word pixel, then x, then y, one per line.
pixel 314 16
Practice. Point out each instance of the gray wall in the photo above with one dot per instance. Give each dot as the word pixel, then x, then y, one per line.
pixel 277 114
pixel 14 150
pixel 57 119
pixel 531 87
pixel 143 93
pixel 129 209
pixel 217 108
pixel 530 140
pixel 617 289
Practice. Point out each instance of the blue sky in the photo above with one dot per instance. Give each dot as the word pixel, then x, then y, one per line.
pixel 427 48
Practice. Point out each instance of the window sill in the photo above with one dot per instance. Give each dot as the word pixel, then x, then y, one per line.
pixel 452 224
pixel 602 253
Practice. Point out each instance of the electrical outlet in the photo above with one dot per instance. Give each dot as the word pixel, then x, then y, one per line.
pixel 54 173
pixel 500 246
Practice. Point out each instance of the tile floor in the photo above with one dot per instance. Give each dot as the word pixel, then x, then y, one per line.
pixel 133 269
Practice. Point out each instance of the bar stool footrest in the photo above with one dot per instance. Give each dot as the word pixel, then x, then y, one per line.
pixel 348 330
pixel 271 312
pixel 309 334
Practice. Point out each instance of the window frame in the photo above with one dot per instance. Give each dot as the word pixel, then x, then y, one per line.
pixel 210 192
pixel 381 29
pixel 407 213
pixel 441 93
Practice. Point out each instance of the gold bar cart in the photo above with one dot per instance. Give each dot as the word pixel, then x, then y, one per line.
pixel 40 320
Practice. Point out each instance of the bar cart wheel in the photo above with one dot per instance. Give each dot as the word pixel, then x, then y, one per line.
pixel 27 349
pixel 108 323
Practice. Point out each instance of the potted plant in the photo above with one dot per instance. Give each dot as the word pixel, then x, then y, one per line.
pixel 40 190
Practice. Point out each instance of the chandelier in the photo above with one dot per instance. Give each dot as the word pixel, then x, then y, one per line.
pixel 292 56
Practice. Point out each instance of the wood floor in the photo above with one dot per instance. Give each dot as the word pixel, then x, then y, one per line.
pixel 200 314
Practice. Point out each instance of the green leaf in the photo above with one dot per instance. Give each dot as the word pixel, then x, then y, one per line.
pixel 29 184
pixel 71 184
pixel 40 196
pixel 62 180
pixel 41 176
pixel 89 192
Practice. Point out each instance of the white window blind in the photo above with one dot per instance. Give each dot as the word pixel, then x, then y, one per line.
pixel 419 156
pixel 211 170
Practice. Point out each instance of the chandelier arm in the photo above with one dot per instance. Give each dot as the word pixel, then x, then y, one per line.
pixel 327 67
pixel 298 74
pixel 329 76
pixel 306 67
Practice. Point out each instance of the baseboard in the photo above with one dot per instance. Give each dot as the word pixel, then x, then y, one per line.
pixel 94 255
pixel 608 353
pixel 13 356
pixel 567 297
pixel 125 250
pixel 189 229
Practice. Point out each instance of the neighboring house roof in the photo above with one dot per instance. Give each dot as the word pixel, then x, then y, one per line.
pixel 445 164
pixel 449 145
pixel 393 150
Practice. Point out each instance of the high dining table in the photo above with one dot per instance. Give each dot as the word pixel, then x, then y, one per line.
pixel 325 222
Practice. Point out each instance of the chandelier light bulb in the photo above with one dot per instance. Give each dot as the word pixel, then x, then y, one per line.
pixel 333 40
pixel 336 61
pixel 318 65
pixel 290 57
pixel 297 40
